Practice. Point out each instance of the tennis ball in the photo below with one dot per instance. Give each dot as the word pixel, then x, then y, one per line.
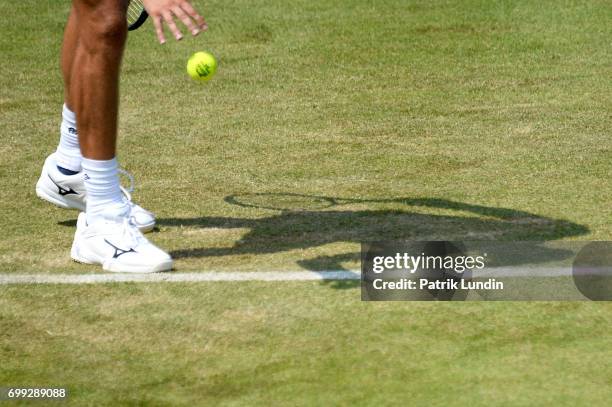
pixel 201 66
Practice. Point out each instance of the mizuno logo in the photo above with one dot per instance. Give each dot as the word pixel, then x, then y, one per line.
pixel 63 191
pixel 119 251
pixel 72 130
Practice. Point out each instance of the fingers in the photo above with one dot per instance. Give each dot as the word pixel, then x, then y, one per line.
pixel 186 20
pixel 167 15
pixel 159 29
pixel 184 11
pixel 188 8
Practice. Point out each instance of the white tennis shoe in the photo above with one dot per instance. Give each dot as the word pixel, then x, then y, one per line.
pixel 118 246
pixel 68 191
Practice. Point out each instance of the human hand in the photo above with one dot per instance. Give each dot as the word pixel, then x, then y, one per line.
pixel 164 11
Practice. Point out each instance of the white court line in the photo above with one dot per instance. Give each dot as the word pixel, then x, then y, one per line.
pixel 99 278
pixel 177 277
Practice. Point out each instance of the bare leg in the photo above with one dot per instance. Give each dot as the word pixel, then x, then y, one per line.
pixel 94 73
pixel 69 46
pixel 94 40
pixel 107 232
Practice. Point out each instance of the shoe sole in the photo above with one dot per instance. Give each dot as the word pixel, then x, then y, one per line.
pixel 146 228
pixel 158 268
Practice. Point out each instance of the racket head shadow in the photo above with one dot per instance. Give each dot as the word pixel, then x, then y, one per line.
pixel 285 202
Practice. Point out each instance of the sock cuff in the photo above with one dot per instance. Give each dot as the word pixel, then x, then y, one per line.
pixel 68 154
pixel 68 161
pixel 68 116
pixel 104 197
pixel 99 165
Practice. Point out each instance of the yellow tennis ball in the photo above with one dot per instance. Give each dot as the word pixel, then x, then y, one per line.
pixel 202 66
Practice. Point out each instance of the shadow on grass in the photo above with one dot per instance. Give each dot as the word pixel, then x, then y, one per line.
pixel 306 221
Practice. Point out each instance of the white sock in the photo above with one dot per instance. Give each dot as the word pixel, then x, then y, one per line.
pixel 104 197
pixel 68 154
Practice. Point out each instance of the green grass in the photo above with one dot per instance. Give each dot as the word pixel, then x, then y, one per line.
pixel 430 119
pixel 299 344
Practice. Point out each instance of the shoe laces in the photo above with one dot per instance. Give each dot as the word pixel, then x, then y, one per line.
pixel 127 192
pixel 131 232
